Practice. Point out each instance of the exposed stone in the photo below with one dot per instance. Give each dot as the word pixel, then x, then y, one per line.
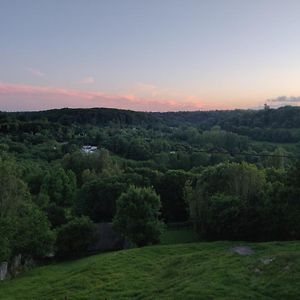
pixel 287 268
pixel 242 250
pixel 266 261
pixel 3 270
pixel 16 265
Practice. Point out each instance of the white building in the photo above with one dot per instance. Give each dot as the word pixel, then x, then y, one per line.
pixel 89 149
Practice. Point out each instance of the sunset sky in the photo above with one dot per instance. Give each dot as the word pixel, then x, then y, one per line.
pixel 149 55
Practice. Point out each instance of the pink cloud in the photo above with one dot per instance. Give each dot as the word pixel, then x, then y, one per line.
pixel 87 80
pixel 36 72
pixel 17 97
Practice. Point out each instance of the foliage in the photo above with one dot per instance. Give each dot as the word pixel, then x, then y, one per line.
pixel 223 219
pixel 60 186
pixel 170 189
pixel 56 215
pixel 24 227
pixel 232 172
pixel 32 236
pixel 74 238
pixel 97 198
pixel 137 216
pixel 13 191
pixel 225 202
pixel 235 202
pixel 5 240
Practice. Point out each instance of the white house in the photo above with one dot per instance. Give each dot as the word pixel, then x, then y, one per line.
pixel 89 149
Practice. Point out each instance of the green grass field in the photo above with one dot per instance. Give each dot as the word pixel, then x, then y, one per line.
pixel 182 271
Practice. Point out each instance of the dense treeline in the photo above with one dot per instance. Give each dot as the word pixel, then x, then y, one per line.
pixel 277 125
pixel 241 202
pixel 284 117
pixel 208 167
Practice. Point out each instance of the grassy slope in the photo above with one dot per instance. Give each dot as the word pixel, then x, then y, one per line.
pixel 183 271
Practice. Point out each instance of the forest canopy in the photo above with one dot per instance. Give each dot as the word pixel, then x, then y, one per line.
pixel 234 175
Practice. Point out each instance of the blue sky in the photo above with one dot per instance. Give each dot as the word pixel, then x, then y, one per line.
pixel 148 55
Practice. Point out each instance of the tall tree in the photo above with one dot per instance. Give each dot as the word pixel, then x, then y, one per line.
pixel 60 186
pixel 137 217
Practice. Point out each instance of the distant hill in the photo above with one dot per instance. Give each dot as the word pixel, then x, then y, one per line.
pixel 284 117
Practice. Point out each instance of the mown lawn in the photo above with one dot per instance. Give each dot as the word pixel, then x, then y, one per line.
pixel 183 271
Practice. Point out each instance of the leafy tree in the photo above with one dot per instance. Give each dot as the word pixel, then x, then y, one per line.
pixel 278 160
pixel 74 238
pixel 32 234
pixel 137 217
pixel 27 229
pixel 96 163
pixel 139 149
pixel 97 198
pixel 56 215
pixel 5 240
pixel 170 189
pixel 13 191
pixel 60 186
pixel 240 181
pixel 223 219
pixel 88 175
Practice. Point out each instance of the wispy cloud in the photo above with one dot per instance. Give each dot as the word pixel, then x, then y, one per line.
pixel 87 80
pixel 36 72
pixel 153 92
pixel 285 99
pixel 28 97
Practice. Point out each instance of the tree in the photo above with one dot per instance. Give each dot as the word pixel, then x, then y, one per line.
pixel 60 186
pixel 137 217
pixel 32 234
pixel 13 191
pixel 170 189
pixel 97 198
pixel 5 240
pixel 23 226
pixel 96 163
pixel 278 160
pixel 139 149
pixel 74 238
pixel 223 217
pixel 222 187
pixel 56 215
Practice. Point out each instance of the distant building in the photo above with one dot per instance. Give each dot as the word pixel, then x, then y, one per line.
pixel 89 149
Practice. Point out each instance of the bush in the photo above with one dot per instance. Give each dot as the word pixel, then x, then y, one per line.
pixel 32 236
pixel 74 238
pixel 97 198
pixel 223 217
pixel 137 216
pixel 56 215
pixel 227 201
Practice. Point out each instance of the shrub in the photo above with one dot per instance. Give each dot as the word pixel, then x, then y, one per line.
pixel 56 215
pixel 32 236
pixel 74 238
pixel 137 216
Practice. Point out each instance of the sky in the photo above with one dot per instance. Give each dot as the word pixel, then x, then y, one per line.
pixel 149 55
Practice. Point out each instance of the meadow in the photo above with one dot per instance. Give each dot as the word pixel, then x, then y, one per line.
pixel 179 271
